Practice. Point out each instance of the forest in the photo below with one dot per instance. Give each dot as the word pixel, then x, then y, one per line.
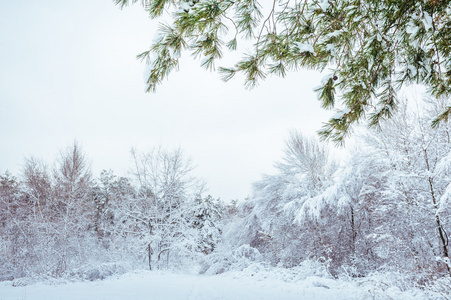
pixel 382 207
pixel 360 210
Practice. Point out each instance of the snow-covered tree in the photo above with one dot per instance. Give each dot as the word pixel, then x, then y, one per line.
pixel 12 240
pixel 73 207
pixel 49 217
pixel 282 203
pixel 109 193
pixel 370 47
pixel 159 215
pixel 206 217
pixel 416 176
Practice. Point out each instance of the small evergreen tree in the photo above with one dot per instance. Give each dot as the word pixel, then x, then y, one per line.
pixel 206 217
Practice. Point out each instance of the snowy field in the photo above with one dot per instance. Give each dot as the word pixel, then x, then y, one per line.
pixel 247 284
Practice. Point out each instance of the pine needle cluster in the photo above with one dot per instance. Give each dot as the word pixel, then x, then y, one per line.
pixel 371 47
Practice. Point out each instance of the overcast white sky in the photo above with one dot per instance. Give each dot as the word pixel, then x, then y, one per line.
pixel 68 71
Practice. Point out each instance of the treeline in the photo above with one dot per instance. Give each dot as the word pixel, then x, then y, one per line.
pixel 386 206
pixel 54 221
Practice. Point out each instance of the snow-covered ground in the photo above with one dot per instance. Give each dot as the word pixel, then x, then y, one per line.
pixel 248 284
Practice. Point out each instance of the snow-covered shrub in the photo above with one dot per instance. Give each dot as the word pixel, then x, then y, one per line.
pixel 225 259
pixel 101 271
pixel 246 252
pixel 217 262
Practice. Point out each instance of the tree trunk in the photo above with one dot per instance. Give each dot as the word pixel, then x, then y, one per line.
pixel 149 252
pixel 354 233
pixel 441 232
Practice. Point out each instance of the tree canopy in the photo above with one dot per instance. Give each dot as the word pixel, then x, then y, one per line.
pixel 369 48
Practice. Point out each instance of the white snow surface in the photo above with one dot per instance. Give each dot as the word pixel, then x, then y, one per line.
pixel 340 114
pixel 254 282
pixel 305 47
